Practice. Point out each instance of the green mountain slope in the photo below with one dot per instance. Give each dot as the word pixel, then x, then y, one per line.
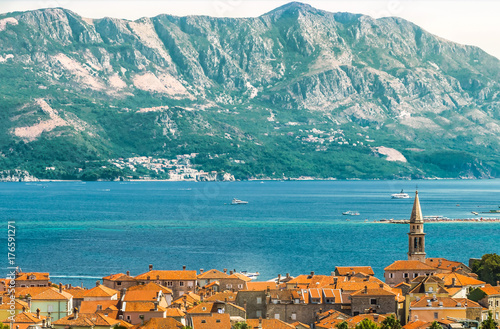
pixel 295 92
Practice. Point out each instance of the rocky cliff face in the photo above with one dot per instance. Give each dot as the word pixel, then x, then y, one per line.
pixel 315 85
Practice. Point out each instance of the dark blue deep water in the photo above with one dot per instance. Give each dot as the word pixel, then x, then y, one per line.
pixel 79 231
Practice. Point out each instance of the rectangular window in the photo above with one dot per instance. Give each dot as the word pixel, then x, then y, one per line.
pixel 406 275
pixel 229 286
pixel 373 301
pixel 190 283
pixel 50 308
pixel 496 315
pixel 170 283
pixel 240 286
pixel 294 316
pixel 277 316
pixel 436 315
pixel 259 300
pixel 391 275
pixel 415 275
pixel 181 283
pixel 258 314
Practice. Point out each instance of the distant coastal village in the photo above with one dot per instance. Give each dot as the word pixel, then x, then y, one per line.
pixel 416 293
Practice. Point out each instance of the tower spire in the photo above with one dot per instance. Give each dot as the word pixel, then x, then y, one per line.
pixel 416 237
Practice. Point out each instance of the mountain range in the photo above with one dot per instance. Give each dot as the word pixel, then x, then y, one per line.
pixel 296 92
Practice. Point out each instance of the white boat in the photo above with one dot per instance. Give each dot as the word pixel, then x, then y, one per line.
pixel 250 275
pixel 236 201
pixel 350 213
pixel 400 195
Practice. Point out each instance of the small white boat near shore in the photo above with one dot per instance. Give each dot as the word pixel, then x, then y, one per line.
pixel 400 195
pixel 237 201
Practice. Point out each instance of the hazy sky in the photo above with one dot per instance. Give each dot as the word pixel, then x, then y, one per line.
pixel 473 22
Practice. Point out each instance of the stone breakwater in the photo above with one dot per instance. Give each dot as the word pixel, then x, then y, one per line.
pixel 440 220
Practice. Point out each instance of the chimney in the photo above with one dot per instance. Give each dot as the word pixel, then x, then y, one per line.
pixel 440 262
pixel 332 273
pixel 366 290
pixel 183 267
pixel 260 322
pixel 375 317
pixel 288 276
pixel 60 287
pixel 201 271
pixel 453 281
pixel 28 300
pixel 156 306
pixel 75 311
pixel 267 316
pixel 381 286
pixel 97 283
pixel 225 270
pixel 128 273
pixel 38 313
pixel 498 283
pixel 312 273
pixel 279 279
pixel 43 324
pixel 230 272
pixel 150 267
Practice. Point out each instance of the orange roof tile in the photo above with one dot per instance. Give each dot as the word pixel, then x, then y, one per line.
pixel 175 312
pixel 300 324
pixel 49 293
pixel 213 274
pixel 101 291
pixel 18 305
pixel 160 323
pixel 261 286
pixel 142 307
pixel 444 264
pixel 202 308
pixel 222 296
pixel 214 320
pixel 147 292
pixel 168 275
pixel 26 317
pixel 401 265
pixel 239 276
pixel 38 276
pixel 86 320
pixel 151 286
pixel 373 292
pixel 444 302
pixel 92 306
pixel 119 277
pixel 459 280
pixel 269 324
pixel 416 325
pixel 489 290
pixel 76 292
pixel 345 270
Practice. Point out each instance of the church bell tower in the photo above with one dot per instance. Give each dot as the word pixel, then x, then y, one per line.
pixel 416 241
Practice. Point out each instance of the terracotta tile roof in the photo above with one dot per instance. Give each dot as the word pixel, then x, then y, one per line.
pixel 444 302
pixel 141 307
pixel 189 297
pixel 126 324
pixel 119 277
pixel 261 286
pixel 147 292
pixel 76 292
pixel 26 317
pixel 300 324
pixel 168 275
pixel 222 296
pixel 460 280
pixel 92 306
pixel 315 281
pixel 453 291
pixel 373 292
pixel 211 284
pixel 215 320
pixel 355 286
pixel 377 318
pixel 39 276
pixel 101 291
pixel 489 290
pixel 44 293
pixel 213 274
pixel 175 312
pixel 401 265
pixel 239 276
pixel 269 324
pixel 202 308
pixel 86 320
pixel 416 325
pixel 18 305
pixel 160 323
pixel 333 314
pixel 402 284
pixel 345 270
pixel 444 264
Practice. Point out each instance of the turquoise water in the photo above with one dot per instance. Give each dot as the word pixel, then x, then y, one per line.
pixel 80 231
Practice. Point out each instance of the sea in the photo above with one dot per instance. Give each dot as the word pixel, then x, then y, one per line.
pixel 82 231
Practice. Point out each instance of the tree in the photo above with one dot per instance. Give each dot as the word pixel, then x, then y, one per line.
pixel 342 325
pixel 241 325
pixel 489 323
pixel 118 326
pixel 488 268
pixel 391 323
pixel 367 324
pixel 435 325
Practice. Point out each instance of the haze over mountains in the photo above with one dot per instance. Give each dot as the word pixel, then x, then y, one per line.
pixel 295 92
